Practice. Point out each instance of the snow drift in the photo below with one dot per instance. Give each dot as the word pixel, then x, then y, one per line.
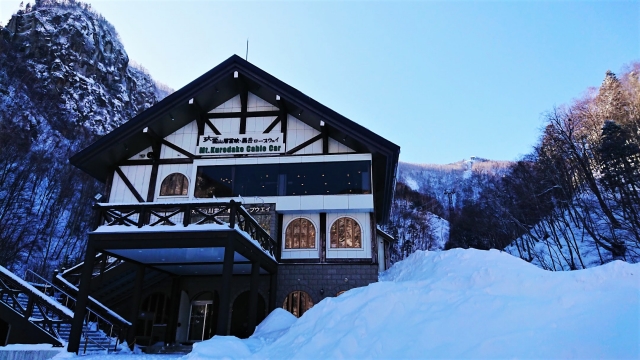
pixel 460 304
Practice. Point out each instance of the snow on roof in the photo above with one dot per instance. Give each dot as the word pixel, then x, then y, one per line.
pixel 459 304
pixel 39 293
pixel 384 233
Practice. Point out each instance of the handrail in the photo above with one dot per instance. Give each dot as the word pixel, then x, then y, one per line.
pixel 70 297
pixel 229 213
pixel 120 328
pixel 53 314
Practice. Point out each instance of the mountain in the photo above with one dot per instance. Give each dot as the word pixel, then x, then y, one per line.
pixel 65 79
pixel 465 178
pixel 420 211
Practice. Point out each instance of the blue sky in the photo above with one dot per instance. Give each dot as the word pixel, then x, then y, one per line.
pixel 444 80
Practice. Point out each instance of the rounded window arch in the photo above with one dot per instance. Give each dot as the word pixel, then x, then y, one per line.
pixel 297 303
pixel 174 184
pixel 345 233
pixel 300 234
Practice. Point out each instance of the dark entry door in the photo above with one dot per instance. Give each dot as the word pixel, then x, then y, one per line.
pixel 240 315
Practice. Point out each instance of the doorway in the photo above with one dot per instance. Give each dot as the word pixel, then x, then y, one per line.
pixel 240 315
pixel 202 320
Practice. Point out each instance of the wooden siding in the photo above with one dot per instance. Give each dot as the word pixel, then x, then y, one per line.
pixel 138 176
pixel 299 132
pixel 185 137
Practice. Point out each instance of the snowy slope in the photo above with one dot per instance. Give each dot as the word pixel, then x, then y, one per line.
pixel 459 304
pixel 465 177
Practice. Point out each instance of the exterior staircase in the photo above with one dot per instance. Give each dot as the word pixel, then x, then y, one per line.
pixel 47 310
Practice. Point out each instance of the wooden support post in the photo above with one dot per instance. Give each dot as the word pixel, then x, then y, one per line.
pixel 253 296
pixel 82 299
pixel 176 290
pixel 273 287
pixel 136 299
pixel 225 291
pixel 278 239
pixel 232 214
pixel 103 265
pixel 374 239
pixel 323 237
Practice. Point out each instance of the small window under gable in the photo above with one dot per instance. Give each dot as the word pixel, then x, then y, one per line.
pixel 175 184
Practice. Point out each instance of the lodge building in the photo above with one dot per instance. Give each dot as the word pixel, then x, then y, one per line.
pixel 234 195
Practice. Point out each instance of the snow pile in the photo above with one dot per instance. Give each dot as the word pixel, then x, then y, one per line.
pixel 459 304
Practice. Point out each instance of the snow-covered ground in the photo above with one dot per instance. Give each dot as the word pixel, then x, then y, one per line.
pixel 456 304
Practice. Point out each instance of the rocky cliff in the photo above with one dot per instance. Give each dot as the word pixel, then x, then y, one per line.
pixel 64 73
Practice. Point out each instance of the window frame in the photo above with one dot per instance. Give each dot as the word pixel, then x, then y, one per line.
pixel 284 235
pixel 362 237
pixel 188 188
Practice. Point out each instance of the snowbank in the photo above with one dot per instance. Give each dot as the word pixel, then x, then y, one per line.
pixel 459 304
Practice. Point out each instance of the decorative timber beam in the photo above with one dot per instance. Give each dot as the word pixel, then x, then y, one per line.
pixel 304 144
pixel 272 125
pixel 236 114
pixel 129 184
pixel 168 144
pixel 244 99
pixel 156 147
pixel 283 118
pixel 202 119
pixel 324 131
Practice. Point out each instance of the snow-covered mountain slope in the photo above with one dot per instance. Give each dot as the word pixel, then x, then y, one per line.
pixel 459 304
pixel 465 177
pixel 561 242
pixel 419 211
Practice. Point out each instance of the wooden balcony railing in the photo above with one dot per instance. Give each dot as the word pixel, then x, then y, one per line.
pixel 231 214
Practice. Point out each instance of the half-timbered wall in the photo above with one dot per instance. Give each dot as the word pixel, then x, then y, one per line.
pixel 185 138
pixel 299 132
pixel 138 176
pixel 356 206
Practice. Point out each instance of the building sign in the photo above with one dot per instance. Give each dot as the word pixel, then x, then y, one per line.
pixel 235 144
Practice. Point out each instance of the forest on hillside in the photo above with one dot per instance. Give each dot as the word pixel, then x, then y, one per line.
pixel 574 201
pixel 65 80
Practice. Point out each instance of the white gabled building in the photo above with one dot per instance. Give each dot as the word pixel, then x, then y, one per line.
pixel 241 194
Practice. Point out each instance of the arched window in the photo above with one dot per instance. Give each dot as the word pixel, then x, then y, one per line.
pixel 300 234
pixel 174 185
pixel 297 303
pixel 346 233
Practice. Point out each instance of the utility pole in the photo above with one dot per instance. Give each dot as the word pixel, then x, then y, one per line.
pixel 450 193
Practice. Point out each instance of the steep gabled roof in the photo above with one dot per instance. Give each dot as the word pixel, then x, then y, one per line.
pixel 219 85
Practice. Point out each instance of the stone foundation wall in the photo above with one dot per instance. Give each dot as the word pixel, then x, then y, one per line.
pixel 323 280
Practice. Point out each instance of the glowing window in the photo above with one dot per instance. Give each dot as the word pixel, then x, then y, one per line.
pixel 297 303
pixel 175 184
pixel 345 233
pixel 300 234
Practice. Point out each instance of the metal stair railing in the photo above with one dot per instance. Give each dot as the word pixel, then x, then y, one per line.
pixel 116 326
pixel 53 314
